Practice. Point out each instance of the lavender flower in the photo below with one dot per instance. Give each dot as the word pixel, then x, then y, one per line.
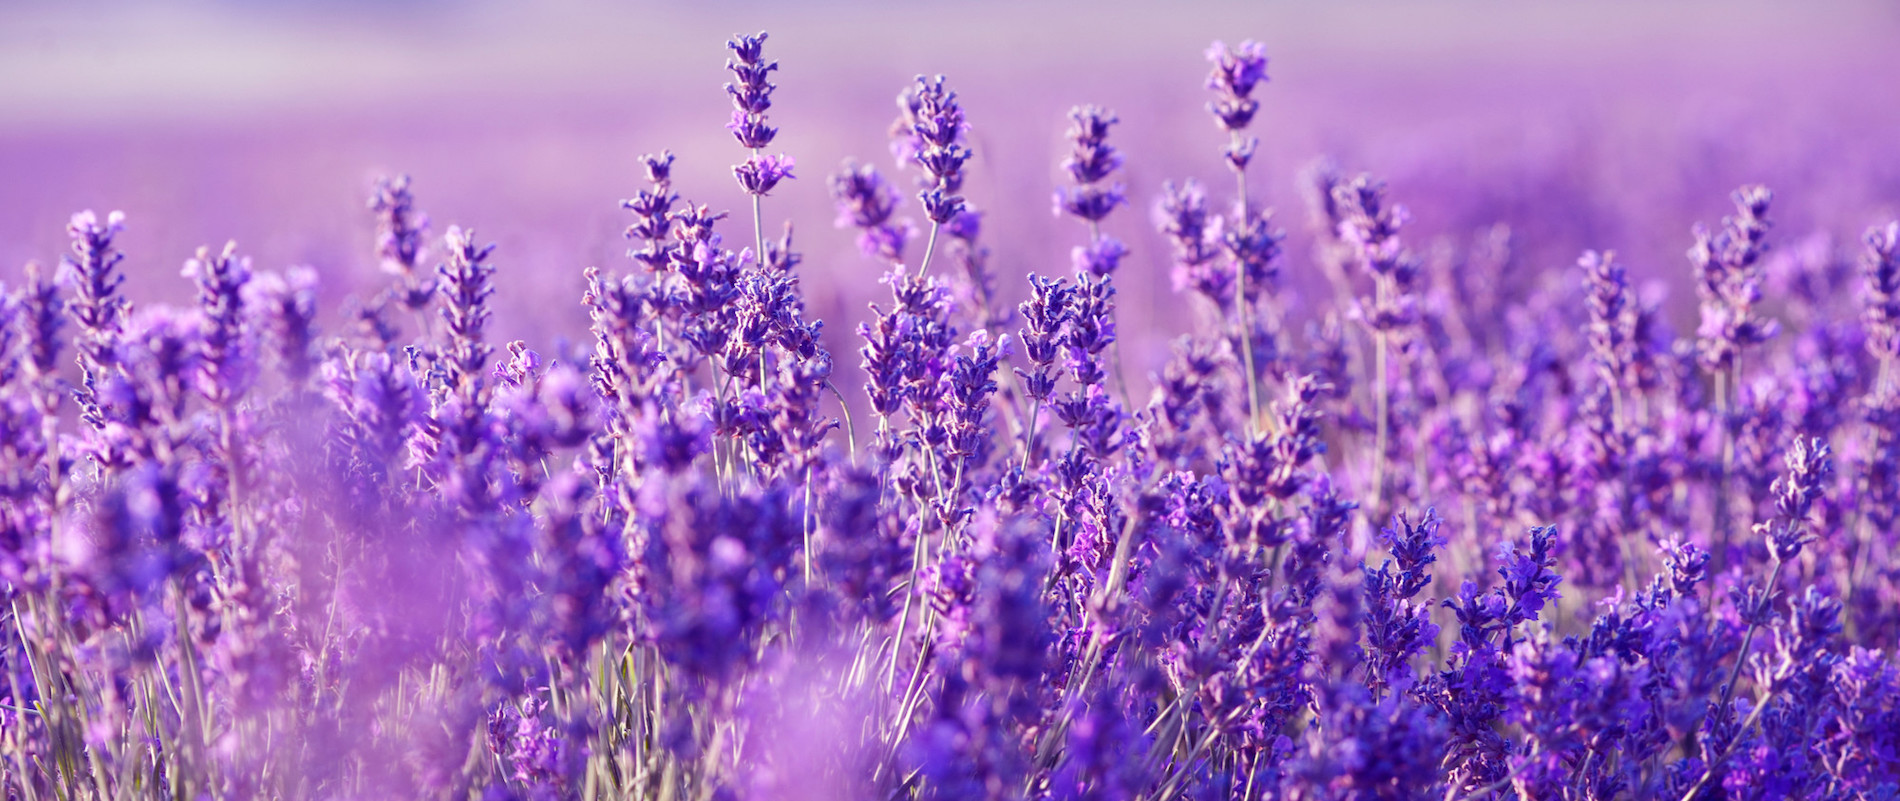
pixel 866 202
pixel 1254 246
pixel 10 312
pixel 1091 328
pixel 760 174
pixel 466 289
pixel 40 318
pixel 1181 214
pixel 92 269
pixel 221 280
pixel 286 306
pixel 1099 258
pixel 751 91
pixel 652 211
pixel 1235 74
pixel 401 233
pixel 935 143
pixel 1809 468
pixel 649 566
pixel 1371 224
pixel 751 97
pixel 1398 628
pixel 1612 323
pixel 1728 271
pixel 1881 269
pixel 1045 316
pixel 1091 162
pixel 1878 488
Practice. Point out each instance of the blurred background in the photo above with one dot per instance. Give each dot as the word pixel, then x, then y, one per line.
pixel 1577 125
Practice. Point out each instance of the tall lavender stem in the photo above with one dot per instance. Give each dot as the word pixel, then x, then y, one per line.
pixel 1879 481
pixel 1371 224
pixel 751 97
pixel 1728 272
pixel 1235 74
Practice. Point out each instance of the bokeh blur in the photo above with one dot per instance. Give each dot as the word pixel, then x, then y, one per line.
pixel 1578 125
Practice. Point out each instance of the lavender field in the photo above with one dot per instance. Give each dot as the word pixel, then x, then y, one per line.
pixel 1402 401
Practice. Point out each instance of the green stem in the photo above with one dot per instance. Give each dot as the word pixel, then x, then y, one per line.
pixel 850 430
pixel 1242 319
pixel 1382 423
pixel 1723 389
pixel 1708 773
pixel 1029 433
pixel 930 247
pixel 1748 636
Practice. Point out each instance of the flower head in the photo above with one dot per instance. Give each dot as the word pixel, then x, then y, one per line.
pixel 760 173
pixel 1236 72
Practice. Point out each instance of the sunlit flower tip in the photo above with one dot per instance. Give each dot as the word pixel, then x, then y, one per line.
pixel 747 49
pixel 1239 70
pixel 659 167
pixel 86 224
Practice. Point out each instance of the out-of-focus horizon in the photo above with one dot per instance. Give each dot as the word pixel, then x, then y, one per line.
pixel 1598 125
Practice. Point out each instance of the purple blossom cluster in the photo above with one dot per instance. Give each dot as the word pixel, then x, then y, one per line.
pixel 1405 545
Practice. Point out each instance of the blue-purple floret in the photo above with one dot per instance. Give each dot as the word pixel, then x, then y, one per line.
pixel 867 202
pixel 246 555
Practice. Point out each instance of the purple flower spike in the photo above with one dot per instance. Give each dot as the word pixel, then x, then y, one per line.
pixel 1810 467
pixel 286 308
pixel 751 92
pixel 400 228
pixel 1413 547
pixel 1235 74
pixel 225 352
pixel 967 226
pixel 1397 627
pixel 866 202
pixel 932 120
pixel 652 212
pixel 1089 164
pixel 1880 265
pixel 401 240
pixel 1729 272
pixel 1254 245
pixel 1237 70
pixel 1529 581
pixel 93 270
pixel 1181 215
pixel 466 289
pixel 41 317
pixel 11 311
pixel 1370 223
pixel 864 198
pixel 1045 315
pixel 1612 319
pixel 1092 159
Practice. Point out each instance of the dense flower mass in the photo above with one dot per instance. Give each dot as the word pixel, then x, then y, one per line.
pixel 1393 548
